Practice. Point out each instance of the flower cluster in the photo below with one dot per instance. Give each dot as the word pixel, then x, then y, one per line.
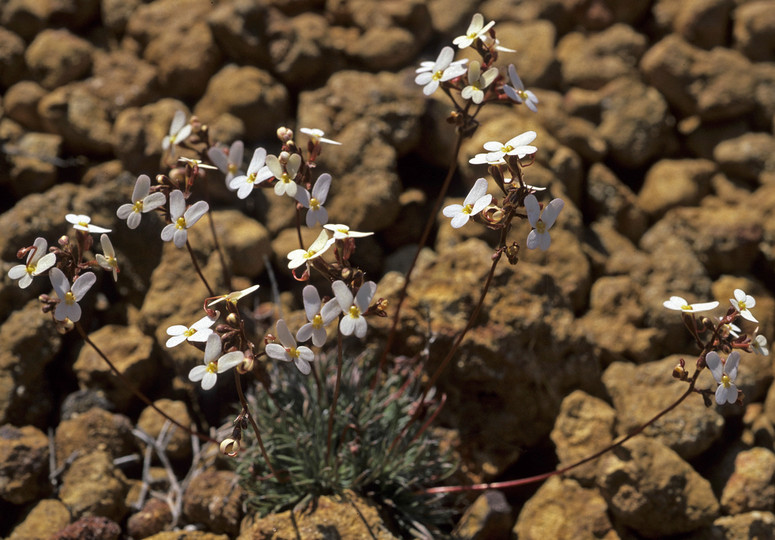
pixel 727 336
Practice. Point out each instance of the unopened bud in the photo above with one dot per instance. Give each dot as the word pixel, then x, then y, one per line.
pixel 63 240
pixel 232 319
pixel 269 339
pixel 246 366
pixel 679 372
pixel 284 134
pixel 284 157
pixel 230 447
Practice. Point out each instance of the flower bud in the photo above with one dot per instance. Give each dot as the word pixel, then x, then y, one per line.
pixel 284 157
pixel 64 240
pixel 246 366
pixel 284 134
pixel 230 447
pixel 232 320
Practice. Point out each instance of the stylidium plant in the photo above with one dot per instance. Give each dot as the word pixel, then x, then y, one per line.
pixel 143 201
pixel 182 218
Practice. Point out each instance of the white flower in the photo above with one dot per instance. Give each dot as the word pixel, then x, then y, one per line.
pixel 318 318
pixel 83 223
pixel 476 30
pixel 179 132
pixel 517 91
pixel 539 236
pixel 182 218
pixel 316 214
pixel 143 201
pixel 107 259
pixel 38 261
pixel 477 82
pixel 297 257
pixel 288 351
pixel 69 297
pixel 725 375
pixel 228 164
pixel 743 303
pixel 198 332
pixel 257 173
pixel 285 176
pixel 233 297
pixel 476 201
pixel 343 231
pixel 759 345
pixel 208 373
pixel 317 136
pixel 679 304
pixel 431 74
pixel 517 146
pixel 353 321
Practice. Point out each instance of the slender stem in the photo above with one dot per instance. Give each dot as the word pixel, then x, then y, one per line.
pixel 244 403
pixel 125 380
pixel 544 476
pixel 436 374
pixel 221 256
pixel 423 240
pixel 336 394
pixel 199 270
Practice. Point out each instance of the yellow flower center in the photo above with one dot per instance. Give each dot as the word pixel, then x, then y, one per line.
pixel 232 168
pixel 137 207
pixel 212 367
pixel 354 312
pixel 314 204
pixel 172 139
pixel 190 332
pixel 467 209
pixel 507 148
pixel 541 227
pixel 69 298
pixel 292 352
pixel 317 321
pixel 523 95
pixel 251 178
pixel 437 76
pixel 686 308
pixel 741 305
pixel 285 178
pixel 84 224
pixel 345 232
pixel 725 380
pixel 180 223
pixel 31 268
pixel 309 254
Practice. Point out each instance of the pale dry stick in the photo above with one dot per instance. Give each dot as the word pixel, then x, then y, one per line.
pixel 199 270
pixel 125 380
pixel 175 502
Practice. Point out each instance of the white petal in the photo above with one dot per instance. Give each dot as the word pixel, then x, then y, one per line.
pixel 230 360
pixel 174 341
pixel 285 336
pixel 713 361
pixel 533 210
pixel 731 365
pixel 133 220
pixel 311 301
pixel 178 120
pixel 344 296
pixel 195 211
pixel 212 348
pixel 481 204
pixel 452 210
pixel 177 204
pixel 196 373
pixel 208 380
pixel 142 187
pixel 276 351
pixel 153 201
pixel 477 192
pixel 179 237
pixel 459 220
pixel 321 187
pixel 551 212
pixel 365 294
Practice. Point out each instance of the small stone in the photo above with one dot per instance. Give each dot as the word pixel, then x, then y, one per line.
pixel 749 525
pixel 214 499
pixel 21 103
pixel 11 58
pixel 640 392
pixel 91 486
pixel 754 29
pixel 34 165
pixel 650 489
pixel 43 520
pixel 57 57
pixel 489 517
pixel 131 352
pixel 748 157
pixel 23 463
pixel 151 422
pixel 752 485
pixel 670 183
pixel 584 425
pixel 562 509
pixel 331 518
pixel 153 518
pixel 94 431
pixel 90 527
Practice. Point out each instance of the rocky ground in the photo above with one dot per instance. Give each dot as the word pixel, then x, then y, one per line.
pixel 655 125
